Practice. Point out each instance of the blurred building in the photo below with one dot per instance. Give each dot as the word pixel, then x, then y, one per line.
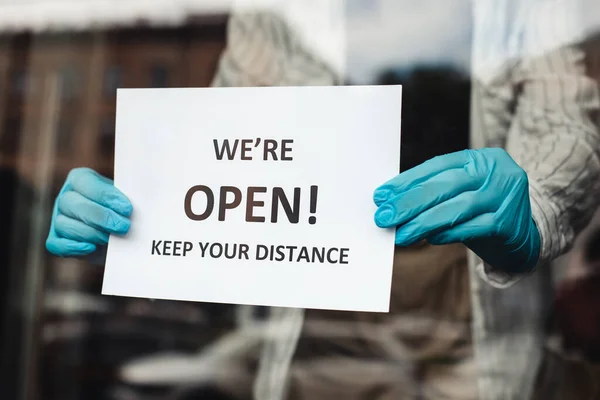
pixel 58 83
pixel 61 63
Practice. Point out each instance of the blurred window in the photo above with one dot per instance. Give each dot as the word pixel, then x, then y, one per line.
pixel 20 83
pixel 64 137
pixel 106 137
pixel 159 76
pixel 10 136
pixel 113 79
pixel 70 83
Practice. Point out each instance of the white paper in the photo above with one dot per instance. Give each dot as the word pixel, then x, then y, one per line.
pixel 346 141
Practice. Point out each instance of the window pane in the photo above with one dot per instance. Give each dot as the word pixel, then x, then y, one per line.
pixel 64 136
pixel 70 84
pixel 511 71
pixel 113 79
pixel 10 136
pixel 20 83
pixel 106 137
pixel 159 76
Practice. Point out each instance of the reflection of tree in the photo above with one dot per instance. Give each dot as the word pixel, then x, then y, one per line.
pixel 435 112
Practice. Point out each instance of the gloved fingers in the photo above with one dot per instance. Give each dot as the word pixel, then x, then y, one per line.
pixel 417 199
pixel 477 228
pixel 68 248
pixel 419 174
pixel 100 190
pixel 76 206
pixel 442 217
pixel 69 228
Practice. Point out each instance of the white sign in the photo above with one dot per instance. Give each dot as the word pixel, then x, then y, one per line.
pixel 260 196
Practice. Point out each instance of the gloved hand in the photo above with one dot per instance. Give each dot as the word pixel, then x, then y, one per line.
pixel 87 209
pixel 476 197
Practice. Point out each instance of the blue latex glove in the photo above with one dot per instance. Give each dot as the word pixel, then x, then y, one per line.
pixel 476 197
pixel 87 210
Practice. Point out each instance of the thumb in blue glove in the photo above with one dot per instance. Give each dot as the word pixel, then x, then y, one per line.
pixel 476 197
pixel 87 210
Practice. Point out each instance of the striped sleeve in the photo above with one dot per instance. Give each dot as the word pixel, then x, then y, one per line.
pixel 554 135
pixel 559 145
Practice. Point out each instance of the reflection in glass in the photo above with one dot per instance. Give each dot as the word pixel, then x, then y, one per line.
pixel 77 344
